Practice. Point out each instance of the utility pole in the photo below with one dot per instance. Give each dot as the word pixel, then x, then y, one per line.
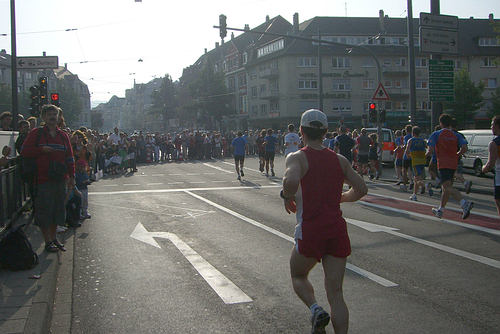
pixel 437 107
pixel 15 104
pixel 411 61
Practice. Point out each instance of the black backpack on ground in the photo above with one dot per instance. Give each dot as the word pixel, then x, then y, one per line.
pixel 16 252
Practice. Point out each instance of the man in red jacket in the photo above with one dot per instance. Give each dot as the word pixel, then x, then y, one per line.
pixel 51 150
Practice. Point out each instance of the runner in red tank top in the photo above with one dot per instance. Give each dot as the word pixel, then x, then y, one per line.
pixel 312 188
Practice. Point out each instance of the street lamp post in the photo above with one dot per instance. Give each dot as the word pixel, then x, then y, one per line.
pixel 15 105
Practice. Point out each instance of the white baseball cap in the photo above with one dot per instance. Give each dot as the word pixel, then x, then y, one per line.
pixel 314 115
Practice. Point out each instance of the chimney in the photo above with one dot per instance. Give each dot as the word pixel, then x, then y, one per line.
pixel 296 22
pixel 216 45
pixel 65 66
pixel 381 20
pixel 247 27
pixel 205 50
pixel 491 18
pixel 472 17
pixel 267 19
pixel 232 35
pixel 44 53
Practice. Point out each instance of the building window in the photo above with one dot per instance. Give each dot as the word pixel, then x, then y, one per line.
pixel 230 84
pixel 388 105
pixel 387 83
pixel 255 110
pixel 421 62
pixel 341 62
pixel 307 62
pixel 254 91
pixel 263 88
pixel 421 84
pixel 368 62
pixel 308 84
pixel 387 62
pixel 458 64
pixel 400 62
pixel 490 83
pixel 488 41
pixel 397 83
pixel 342 107
pixel 368 84
pixel 270 48
pixel 488 62
pixel 242 80
pixel 274 106
pixel 397 105
pixel 342 85
pixel 244 58
pixel 263 109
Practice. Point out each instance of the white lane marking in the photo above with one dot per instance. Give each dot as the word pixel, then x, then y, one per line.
pixel 430 205
pixel 392 230
pixel 193 174
pixel 131 184
pixel 159 191
pixel 198 182
pixel 209 173
pixel 225 288
pixel 110 185
pixel 442 220
pixel 175 174
pixel 157 174
pixel 141 175
pixel 378 279
pixel 154 184
pixel 218 181
pixel 218 168
pixel 175 182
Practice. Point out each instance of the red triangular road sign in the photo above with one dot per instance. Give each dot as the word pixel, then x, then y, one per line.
pixel 380 93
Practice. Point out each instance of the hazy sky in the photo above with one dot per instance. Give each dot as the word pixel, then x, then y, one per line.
pixel 167 35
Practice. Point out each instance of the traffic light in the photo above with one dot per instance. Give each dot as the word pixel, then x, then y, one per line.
pixel 35 101
pixel 43 90
pixel 54 99
pixel 372 113
pixel 222 26
pixel 382 116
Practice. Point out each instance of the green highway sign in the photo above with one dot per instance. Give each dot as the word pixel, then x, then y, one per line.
pixel 440 68
pixel 439 98
pixel 442 92
pixel 441 74
pixel 440 81
pixel 441 62
pixel 449 86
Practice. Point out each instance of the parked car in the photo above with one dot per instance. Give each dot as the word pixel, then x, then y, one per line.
pixel 388 144
pixel 477 154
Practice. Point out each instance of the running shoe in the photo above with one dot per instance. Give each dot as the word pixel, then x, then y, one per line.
pixel 466 209
pixel 319 321
pixel 431 192
pixel 411 186
pixel 61 229
pixel 399 182
pixel 242 174
pixel 239 178
pixel 403 187
pixel 437 212
pixel 272 172
pixel 371 176
pixel 413 197
pixel 468 186
pixel 50 247
pixel 267 174
pixel 422 191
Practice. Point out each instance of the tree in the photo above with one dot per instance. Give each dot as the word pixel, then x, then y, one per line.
pixel 210 96
pixel 6 100
pixel 165 98
pixel 468 98
pixel 494 109
pixel 96 120
pixel 70 102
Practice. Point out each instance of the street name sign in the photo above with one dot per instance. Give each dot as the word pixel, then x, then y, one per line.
pixel 441 86
pixel 380 93
pixel 439 21
pixel 37 63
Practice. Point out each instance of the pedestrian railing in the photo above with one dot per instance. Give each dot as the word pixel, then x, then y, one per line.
pixel 13 194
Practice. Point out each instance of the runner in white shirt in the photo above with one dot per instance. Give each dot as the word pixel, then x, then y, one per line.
pixel 292 140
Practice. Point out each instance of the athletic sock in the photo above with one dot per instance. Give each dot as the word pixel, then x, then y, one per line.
pixel 314 307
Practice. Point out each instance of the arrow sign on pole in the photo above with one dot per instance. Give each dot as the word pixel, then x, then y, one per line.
pixel 380 93
pixel 391 230
pixel 226 289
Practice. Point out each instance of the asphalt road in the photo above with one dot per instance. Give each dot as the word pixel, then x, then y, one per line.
pixel 186 248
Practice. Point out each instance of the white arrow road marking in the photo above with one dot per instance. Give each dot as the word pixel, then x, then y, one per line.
pixel 218 168
pixel 227 290
pixel 380 280
pixel 391 230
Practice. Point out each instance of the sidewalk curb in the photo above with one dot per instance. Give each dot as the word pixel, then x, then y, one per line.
pixel 473 190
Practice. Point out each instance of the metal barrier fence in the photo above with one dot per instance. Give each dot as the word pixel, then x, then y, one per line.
pixel 14 194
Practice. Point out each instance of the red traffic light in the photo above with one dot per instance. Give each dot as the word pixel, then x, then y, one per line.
pixel 54 97
pixel 372 106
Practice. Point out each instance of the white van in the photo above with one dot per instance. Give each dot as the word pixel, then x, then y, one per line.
pixel 477 153
pixel 387 144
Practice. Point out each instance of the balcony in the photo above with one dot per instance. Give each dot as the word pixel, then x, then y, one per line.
pixel 398 92
pixel 271 94
pixel 269 73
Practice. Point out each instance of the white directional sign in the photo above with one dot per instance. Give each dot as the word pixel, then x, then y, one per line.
pixel 438 41
pixel 37 63
pixel 439 21
pixel 226 289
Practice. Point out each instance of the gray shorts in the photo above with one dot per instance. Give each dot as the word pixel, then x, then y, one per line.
pixel 50 206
